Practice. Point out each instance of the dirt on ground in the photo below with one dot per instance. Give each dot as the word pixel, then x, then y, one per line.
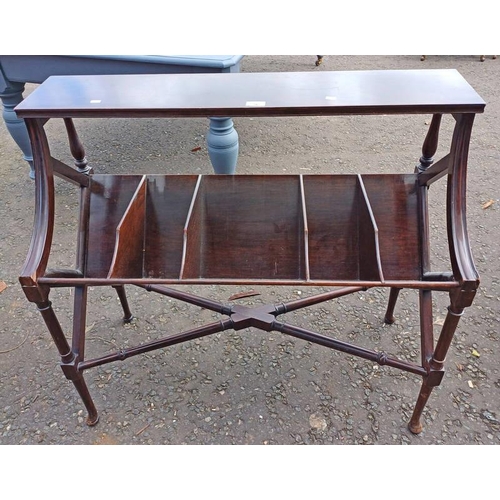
pixel 250 386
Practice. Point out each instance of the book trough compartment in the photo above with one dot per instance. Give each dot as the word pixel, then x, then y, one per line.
pixel 290 228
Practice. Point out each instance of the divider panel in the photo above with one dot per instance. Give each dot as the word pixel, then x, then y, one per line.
pixel 167 206
pixel 191 265
pixel 394 202
pixel 305 228
pixel 109 199
pixel 128 255
pixel 370 268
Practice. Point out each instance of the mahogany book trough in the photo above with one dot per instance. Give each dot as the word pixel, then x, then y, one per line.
pixel 344 232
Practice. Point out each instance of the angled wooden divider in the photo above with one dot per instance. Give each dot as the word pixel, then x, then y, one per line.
pixel 305 228
pixel 169 199
pixel 109 199
pixel 394 200
pixel 128 255
pixel 370 267
pixel 192 236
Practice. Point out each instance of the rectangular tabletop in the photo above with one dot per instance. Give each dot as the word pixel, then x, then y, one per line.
pixel 253 94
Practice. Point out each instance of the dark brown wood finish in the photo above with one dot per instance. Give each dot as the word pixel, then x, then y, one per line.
pixel 76 147
pixel 353 232
pixel 41 240
pixel 167 206
pixel 128 255
pixel 253 94
pixel 430 145
pixel 299 228
pixel 109 199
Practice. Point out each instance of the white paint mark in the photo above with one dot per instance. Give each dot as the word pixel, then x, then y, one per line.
pixel 256 104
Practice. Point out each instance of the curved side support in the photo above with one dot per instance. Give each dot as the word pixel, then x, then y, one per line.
pixel 41 239
pixel 462 262
pixel 463 268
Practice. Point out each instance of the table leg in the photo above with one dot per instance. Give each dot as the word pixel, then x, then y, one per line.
pixel 436 367
pixel 415 425
pixel 127 315
pixel 76 147
pixel 430 145
pixel 11 96
pixel 389 314
pixel 223 145
pixel 69 360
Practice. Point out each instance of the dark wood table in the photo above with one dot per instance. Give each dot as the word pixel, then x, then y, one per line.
pixel 345 232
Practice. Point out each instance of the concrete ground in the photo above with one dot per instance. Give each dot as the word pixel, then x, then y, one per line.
pixel 253 387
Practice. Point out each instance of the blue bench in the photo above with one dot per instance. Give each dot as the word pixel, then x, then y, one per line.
pixel 16 71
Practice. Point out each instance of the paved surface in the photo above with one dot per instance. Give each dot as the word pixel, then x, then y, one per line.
pixel 252 387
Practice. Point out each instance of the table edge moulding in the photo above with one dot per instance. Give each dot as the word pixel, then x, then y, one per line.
pixel 345 232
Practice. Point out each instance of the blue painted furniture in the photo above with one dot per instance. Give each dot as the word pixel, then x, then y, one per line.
pixel 16 71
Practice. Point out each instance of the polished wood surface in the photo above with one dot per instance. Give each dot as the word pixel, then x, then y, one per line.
pixel 254 227
pixel 345 232
pixel 128 252
pixel 254 94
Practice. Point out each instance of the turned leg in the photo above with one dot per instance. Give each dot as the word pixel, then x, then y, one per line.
pixel 223 145
pixel 11 96
pixel 430 145
pixel 76 147
pixel 78 348
pixel 69 360
pixel 389 314
pixel 415 425
pixel 83 391
pixel 426 327
pixel 436 366
pixel 127 315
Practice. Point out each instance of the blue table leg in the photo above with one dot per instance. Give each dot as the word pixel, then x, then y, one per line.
pixel 223 145
pixel 11 96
